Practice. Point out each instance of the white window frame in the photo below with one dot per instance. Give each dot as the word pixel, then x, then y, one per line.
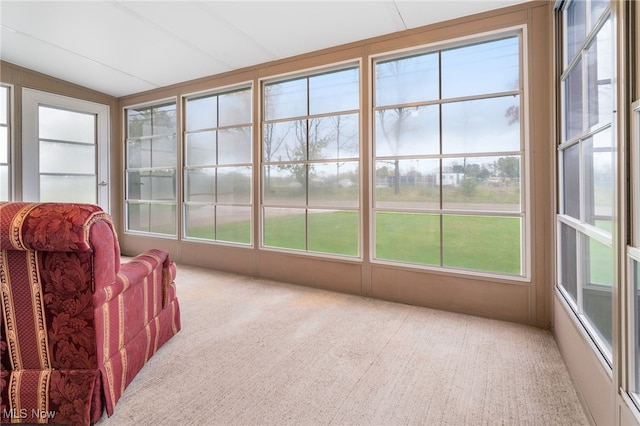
pixel 309 73
pixel 583 229
pixel 633 255
pixel 519 31
pixel 31 101
pixel 176 202
pixel 182 141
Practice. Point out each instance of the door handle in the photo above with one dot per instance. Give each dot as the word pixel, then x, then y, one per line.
pixel 103 183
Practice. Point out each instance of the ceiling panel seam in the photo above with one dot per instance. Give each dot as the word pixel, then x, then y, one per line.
pixel 80 55
pixel 170 33
pixel 266 51
pixel 395 5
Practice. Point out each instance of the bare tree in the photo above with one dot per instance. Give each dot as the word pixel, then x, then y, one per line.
pixel 393 123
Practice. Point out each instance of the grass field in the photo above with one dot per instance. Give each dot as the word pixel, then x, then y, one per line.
pixel 481 243
pixel 471 242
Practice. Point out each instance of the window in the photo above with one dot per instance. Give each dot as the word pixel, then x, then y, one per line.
pixel 5 144
pixel 218 167
pixel 151 166
pixel 310 163
pixel 633 248
pixel 587 164
pixel 633 252
pixel 448 157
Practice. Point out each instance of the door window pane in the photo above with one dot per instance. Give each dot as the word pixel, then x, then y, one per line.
pixel 67 188
pixel 61 125
pixel 55 158
pixel 67 155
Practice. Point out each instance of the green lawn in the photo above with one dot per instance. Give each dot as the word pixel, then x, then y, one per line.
pixel 480 243
pixel 483 243
pixel 601 258
pixel 333 232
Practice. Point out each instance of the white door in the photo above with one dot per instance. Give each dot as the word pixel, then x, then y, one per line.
pixel 65 149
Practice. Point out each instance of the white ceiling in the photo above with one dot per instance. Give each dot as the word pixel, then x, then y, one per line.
pixel 124 47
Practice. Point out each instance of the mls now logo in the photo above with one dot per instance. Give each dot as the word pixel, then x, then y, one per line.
pixel 23 413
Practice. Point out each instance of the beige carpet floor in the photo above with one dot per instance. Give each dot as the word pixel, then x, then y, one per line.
pixel 257 352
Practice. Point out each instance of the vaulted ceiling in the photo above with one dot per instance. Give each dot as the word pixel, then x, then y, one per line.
pixel 125 47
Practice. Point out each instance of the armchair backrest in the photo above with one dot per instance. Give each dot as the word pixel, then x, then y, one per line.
pixel 51 226
pixel 53 256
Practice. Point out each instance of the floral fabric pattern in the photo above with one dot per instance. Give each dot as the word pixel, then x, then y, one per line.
pixel 67 292
pixel 49 226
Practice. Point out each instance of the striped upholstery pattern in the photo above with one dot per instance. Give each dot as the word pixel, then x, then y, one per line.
pixel 76 325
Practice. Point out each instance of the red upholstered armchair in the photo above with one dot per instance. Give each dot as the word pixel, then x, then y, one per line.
pixel 76 325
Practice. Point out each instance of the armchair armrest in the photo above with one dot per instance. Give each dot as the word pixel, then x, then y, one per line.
pixel 135 271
